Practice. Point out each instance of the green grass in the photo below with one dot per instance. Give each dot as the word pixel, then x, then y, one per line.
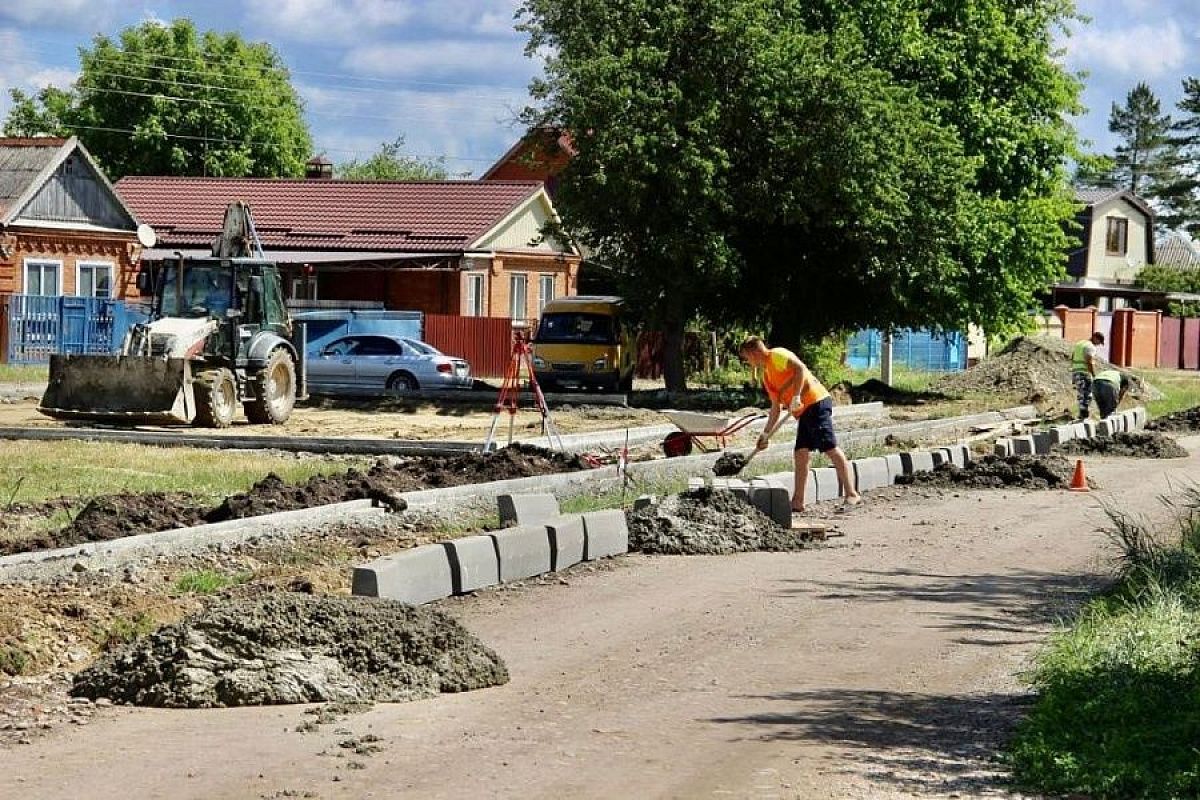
pixel 206 581
pixel 1181 391
pixel 1118 708
pixel 20 373
pixel 36 471
pixel 124 629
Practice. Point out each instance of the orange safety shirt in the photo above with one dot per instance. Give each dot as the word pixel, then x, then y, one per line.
pixel 780 369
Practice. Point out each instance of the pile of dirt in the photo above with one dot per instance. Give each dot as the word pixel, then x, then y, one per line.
pixel 118 516
pixel 994 472
pixel 295 648
pixel 706 522
pixel 1139 444
pixel 1186 421
pixel 729 464
pixel 1035 367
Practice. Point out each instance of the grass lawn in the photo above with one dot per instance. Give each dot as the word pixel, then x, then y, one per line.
pixel 1181 390
pixel 19 373
pixel 36 471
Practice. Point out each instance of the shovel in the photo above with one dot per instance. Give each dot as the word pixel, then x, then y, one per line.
pixel 732 464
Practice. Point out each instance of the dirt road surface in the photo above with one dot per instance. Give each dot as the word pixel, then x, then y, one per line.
pixel 880 666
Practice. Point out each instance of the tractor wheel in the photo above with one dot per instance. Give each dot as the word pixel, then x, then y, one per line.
pixel 273 390
pixel 216 398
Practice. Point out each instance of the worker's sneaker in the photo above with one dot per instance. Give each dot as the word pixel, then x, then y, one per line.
pixel 850 502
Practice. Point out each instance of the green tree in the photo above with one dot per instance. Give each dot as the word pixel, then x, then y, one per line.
pixel 167 100
pixel 390 163
pixel 812 165
pixel 1180 196
pixel 1169 279
pixel 41 114
pixel 1143 159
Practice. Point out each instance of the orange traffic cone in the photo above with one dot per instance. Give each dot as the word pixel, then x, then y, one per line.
pixel 1079 481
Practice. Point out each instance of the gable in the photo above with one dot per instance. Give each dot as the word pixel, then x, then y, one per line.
pixel 75 193
pixel 522 230
pixel 1119 205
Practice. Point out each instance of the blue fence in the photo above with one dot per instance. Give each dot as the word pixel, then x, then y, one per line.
pixel 41 326
pixel 916 350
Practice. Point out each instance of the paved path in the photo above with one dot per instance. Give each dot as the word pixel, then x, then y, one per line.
pixel 880 666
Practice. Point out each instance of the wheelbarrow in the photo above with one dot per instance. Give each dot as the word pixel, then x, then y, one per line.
pixel 695 427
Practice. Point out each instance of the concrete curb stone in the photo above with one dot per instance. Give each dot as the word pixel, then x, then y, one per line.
pixel 474 563
pixel 567 541
pixel 526 509
pixel 523 552
pixel 606 533
pixel 416 576
pixel 826 481
pixel 870 473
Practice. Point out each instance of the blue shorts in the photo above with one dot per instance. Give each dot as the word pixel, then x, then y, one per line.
pixel 814 428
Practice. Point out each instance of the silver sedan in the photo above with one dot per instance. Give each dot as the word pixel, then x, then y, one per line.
pixel 374 364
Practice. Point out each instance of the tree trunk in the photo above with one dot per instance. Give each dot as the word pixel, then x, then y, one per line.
pixel 672 354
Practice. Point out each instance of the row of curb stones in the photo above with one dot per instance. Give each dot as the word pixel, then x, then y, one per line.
pixel 772 494
pixel 1042 442
pixel 536 539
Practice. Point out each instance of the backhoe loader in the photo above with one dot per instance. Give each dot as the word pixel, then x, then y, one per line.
pixel 219 335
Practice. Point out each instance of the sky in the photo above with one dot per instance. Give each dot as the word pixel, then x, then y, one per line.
pixel 451 75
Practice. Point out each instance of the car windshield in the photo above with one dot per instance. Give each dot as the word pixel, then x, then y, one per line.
pixel 207 291
pixel 422 348
pixel 575 327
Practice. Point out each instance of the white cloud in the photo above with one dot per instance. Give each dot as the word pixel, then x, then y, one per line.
pixel 78 15
pixel 1141 52
pixel 329 21
pixel 20 70
pixel 499 60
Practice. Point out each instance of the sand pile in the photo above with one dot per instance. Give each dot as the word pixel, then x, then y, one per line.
pixel 1137 444
pixel 994 472
pixel 706 522
pixel 295 648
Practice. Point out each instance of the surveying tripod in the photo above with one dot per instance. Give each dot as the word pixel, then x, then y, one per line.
pixel 510 394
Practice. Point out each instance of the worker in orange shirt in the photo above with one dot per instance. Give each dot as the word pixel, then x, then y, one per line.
pixel 791 385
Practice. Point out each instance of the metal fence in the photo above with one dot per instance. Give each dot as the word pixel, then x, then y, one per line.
pixel 37 326
pixel 917 350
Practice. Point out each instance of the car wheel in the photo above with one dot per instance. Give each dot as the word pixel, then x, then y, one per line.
pixel 402 383
pixel 216 398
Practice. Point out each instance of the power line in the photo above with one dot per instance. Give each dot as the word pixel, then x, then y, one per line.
pixel 121 54
pixel 248 142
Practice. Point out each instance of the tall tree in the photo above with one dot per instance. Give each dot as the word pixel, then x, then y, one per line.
pixel 167 100
pixel 41 114
pixel 1180 195
pixel 391 163
pixel 1143 159
pixel 813 165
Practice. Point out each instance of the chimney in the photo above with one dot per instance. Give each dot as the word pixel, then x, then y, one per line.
pixel 318 168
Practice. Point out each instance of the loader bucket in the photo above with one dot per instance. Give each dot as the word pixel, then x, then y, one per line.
pixel 130 389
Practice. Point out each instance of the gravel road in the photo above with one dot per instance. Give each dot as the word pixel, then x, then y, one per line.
pixel 880 666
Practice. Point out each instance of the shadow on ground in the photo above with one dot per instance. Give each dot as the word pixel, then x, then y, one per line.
pixel 917 743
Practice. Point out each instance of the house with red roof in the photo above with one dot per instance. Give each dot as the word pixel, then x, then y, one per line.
pixel 464 248
pixel 540 155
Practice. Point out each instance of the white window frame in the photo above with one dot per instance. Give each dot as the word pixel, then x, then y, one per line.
pixel 476 306
pixel 54 262
pixel 513 279
pixel 80 266
pixel 543 279
pixel 304 288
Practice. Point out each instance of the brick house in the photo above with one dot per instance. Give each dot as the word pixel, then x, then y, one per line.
pixel 63 229
pixel 463 248
pixel 540 155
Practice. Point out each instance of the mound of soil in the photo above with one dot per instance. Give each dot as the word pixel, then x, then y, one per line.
pixel 1177 421
pixel 994 472
pixel 706 522
pixel 729 464
pixel 1035 367
pixel 295 648
pixel 1138 444
pixel 117 516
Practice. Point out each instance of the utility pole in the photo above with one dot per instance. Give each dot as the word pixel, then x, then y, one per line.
pixel 885 358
